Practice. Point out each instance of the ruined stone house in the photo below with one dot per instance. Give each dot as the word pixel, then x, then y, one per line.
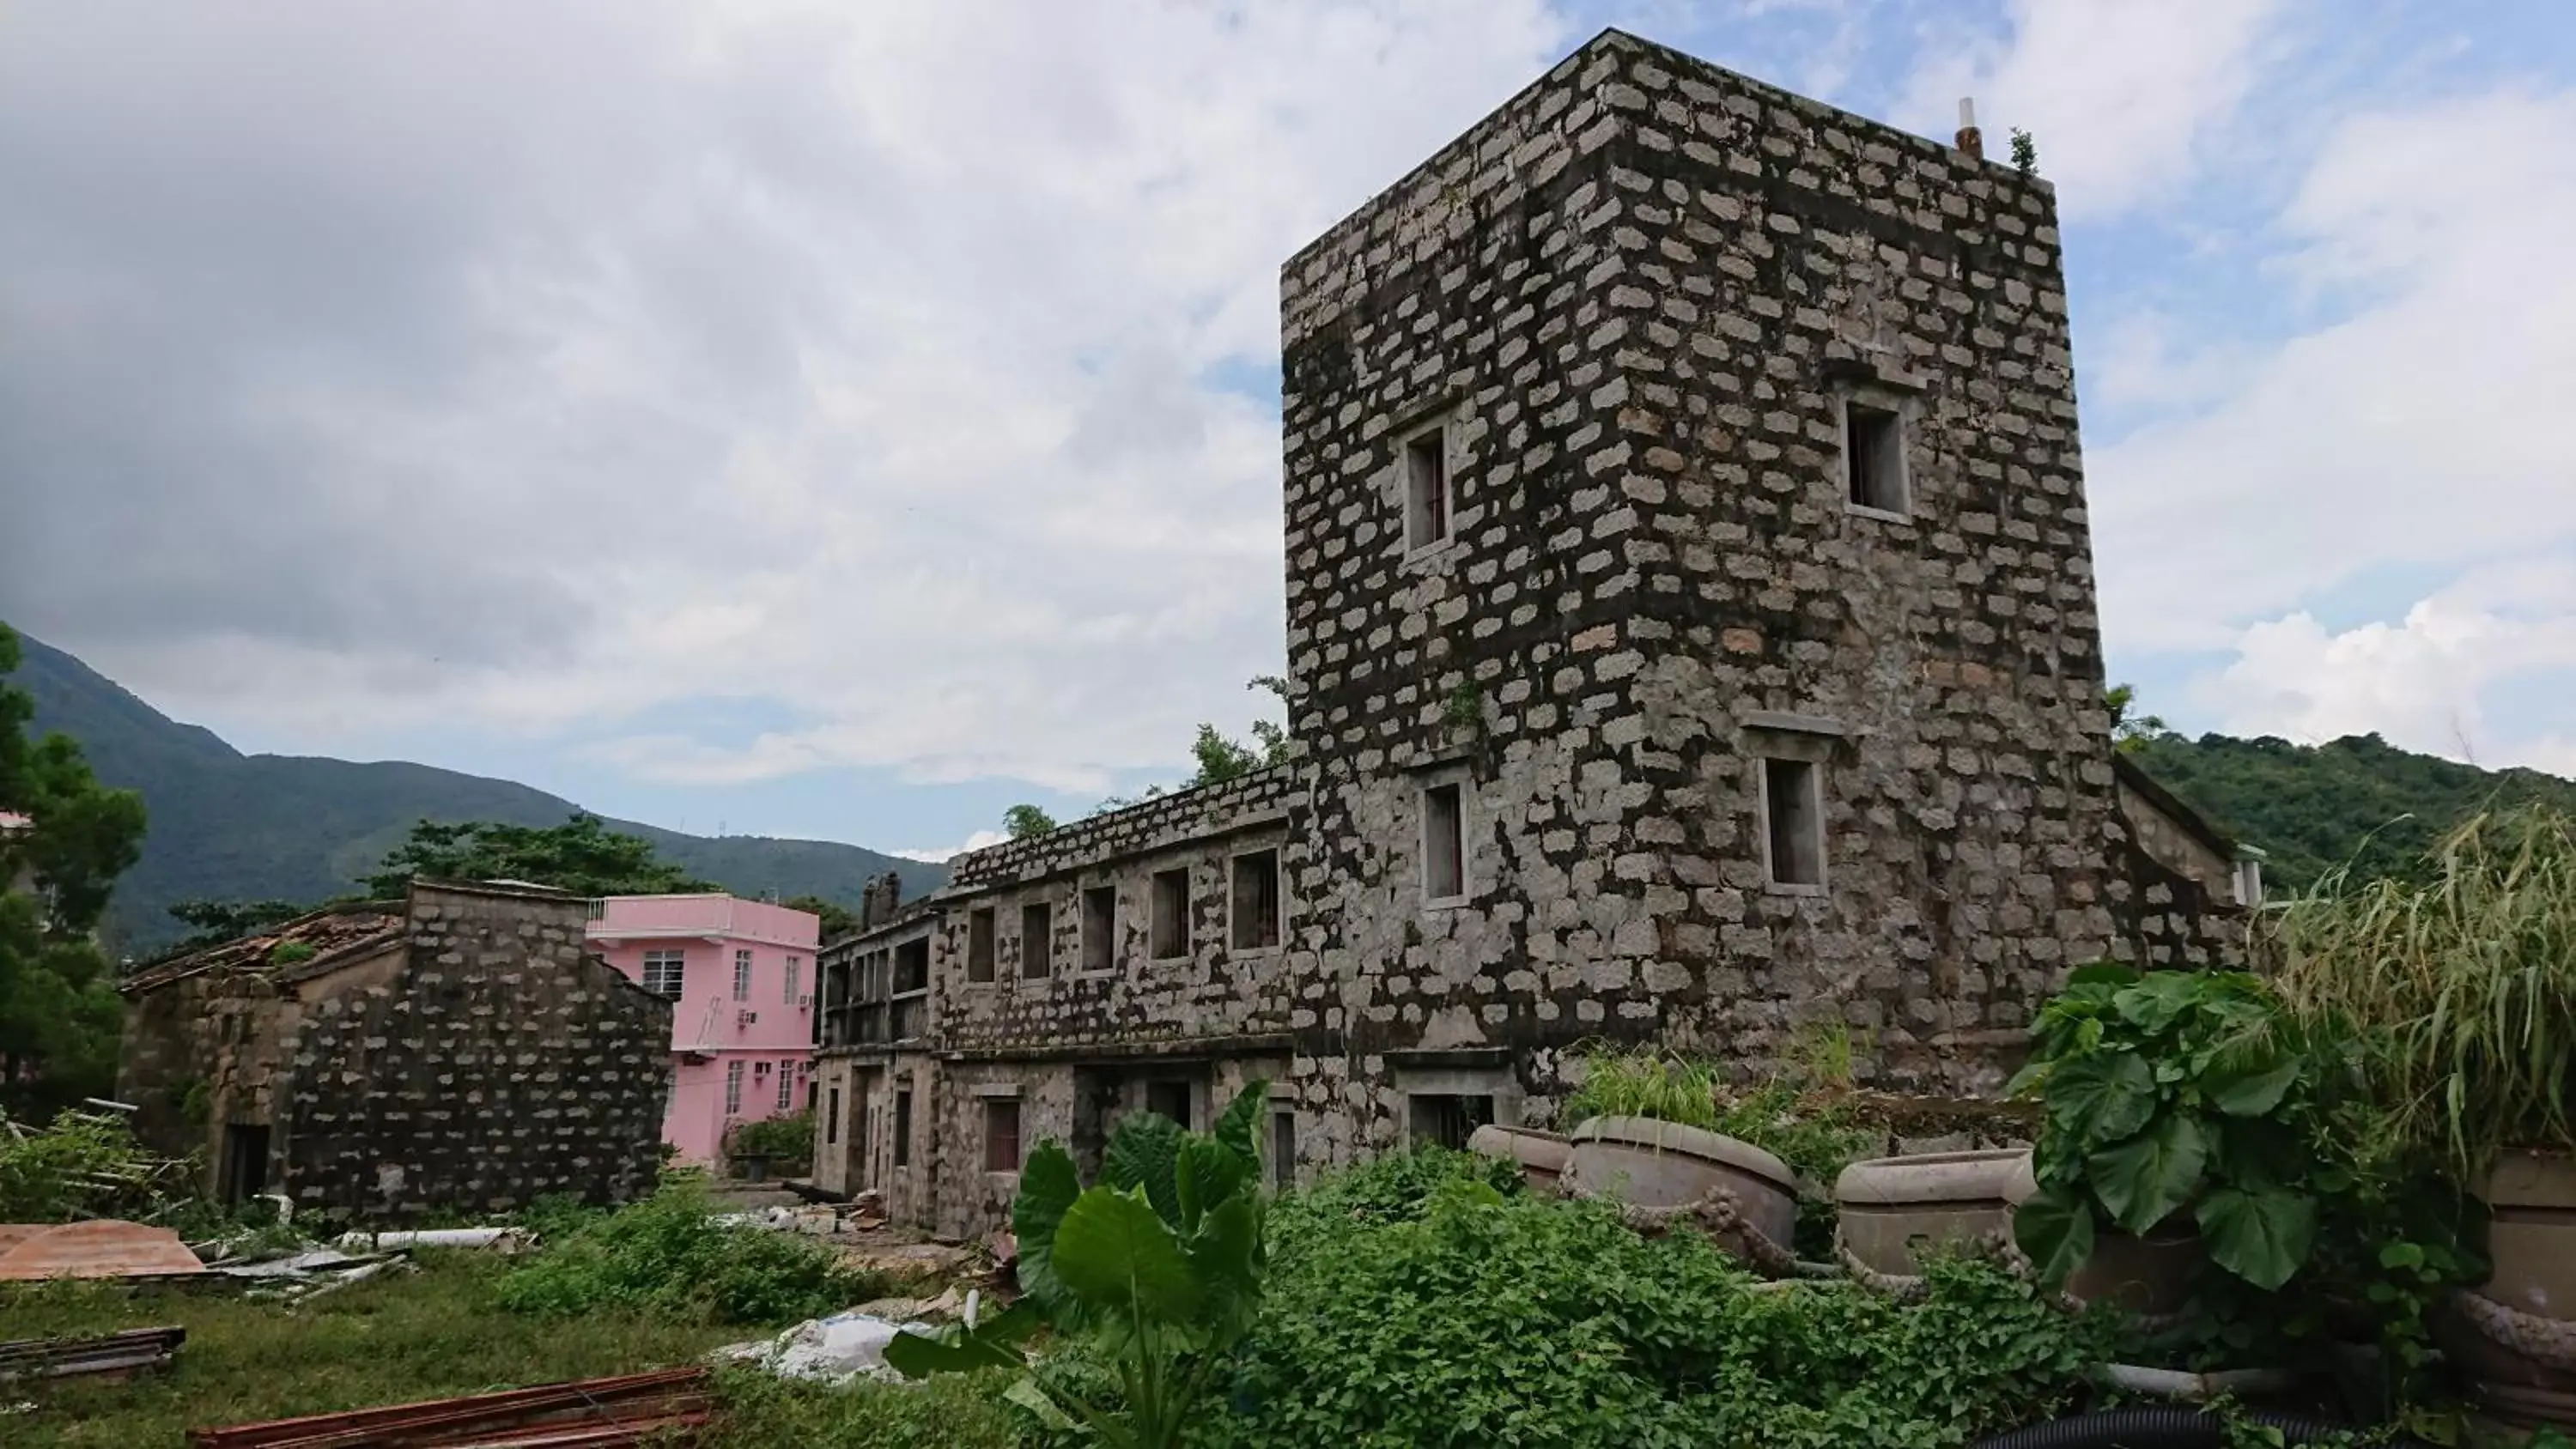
pixel 1691 639
pixel 455 1051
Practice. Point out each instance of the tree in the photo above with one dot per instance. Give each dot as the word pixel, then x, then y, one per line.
pixel 1022 821
pixel 1221 758
pixel 64 839
pixel 838 920
pixel 215 922
pixel 582 856
pixel 2128 735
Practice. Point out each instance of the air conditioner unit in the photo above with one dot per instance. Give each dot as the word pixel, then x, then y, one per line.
pixel 804 1003
pixel 745 1018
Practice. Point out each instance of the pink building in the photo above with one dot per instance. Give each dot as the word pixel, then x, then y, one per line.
pixel 741 979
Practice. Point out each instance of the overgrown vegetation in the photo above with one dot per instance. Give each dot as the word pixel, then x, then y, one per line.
pixel 64 840
pixel 1414 1303
pixel 668 1257
pixel 787 1141
pixel 1220 757
pixel 2461 989
pixel 1158 1267
pixel 86 1164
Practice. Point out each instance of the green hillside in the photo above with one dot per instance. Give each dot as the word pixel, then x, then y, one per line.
pixel 230 826
pixel 2312 807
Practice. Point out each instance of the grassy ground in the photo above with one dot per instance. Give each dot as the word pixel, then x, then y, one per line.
pixel 421 1335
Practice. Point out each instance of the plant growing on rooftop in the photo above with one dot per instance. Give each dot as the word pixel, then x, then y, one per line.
pixel 1159 1265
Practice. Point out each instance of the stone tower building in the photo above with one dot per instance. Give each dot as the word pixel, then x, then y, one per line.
pixel 1691 639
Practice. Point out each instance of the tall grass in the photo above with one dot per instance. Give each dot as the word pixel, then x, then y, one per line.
pixel 2461 990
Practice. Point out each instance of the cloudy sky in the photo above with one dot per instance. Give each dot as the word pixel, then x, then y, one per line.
pixel 846 419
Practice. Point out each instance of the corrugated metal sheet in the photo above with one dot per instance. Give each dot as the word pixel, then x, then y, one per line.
pixel 106 1248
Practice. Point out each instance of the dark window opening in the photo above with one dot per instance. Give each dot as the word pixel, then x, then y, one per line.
pixel 245 1169
pixel 1794 826
pixel 1169 1099
pixel 1171 933
pixel 832 1120
pixel 912 965
pixel 1099 928
pixel 1426 489
pixel 1037 942
pixel 1283 1149
pixel 1444 844
pixel 1874 457
pixel 1446 1120
pixel 1255 908
pixel 903 1128
pixel 1001 1135
pixel 979 944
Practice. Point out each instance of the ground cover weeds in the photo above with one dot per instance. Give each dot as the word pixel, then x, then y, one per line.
pixel 668 1255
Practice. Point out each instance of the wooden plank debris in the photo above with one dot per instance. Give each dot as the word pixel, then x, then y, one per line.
pixel 666 1407
pixel 128 1352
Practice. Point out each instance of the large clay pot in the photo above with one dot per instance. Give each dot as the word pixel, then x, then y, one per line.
pixel 2515 1336
pixel 1891 1210
pixel 1541 1154
pixel 2149 1276
pixel 1651 1164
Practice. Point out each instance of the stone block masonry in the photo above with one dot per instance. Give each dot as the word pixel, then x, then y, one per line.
pixel 1691 640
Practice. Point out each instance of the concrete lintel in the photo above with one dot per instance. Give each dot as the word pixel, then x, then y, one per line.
pixel 1786 722
pixel 1421 1057
pixel 994 1089
pixel 1181 1049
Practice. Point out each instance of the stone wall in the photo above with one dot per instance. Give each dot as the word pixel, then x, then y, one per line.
pixel 1636 301
pixel 502 1065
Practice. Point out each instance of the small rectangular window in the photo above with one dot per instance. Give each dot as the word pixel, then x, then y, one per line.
pixel 665 972
pixel 1171 933
pixel 1169 1099
pixel 795 976
pixel 979 944
pixel 733 1088
pixel 1426 489
pixel 1001 1135
pixel 1793 822
pixel 1100 929
pixel 832 1117
pixel 1253 912
pixel 1037 941
pixel 1874 457
pixel 1283 1149
pixel 1444 844
pixel 903 1128
pixel 1445 1120
pixel 912 966
pixel 787 1086
pixel 742 975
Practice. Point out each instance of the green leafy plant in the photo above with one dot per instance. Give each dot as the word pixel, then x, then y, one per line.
pixel 86 1165
pixel 787 1141
pixel 1159 1264
pixel 2025 152
pixel 1023 822
pixel 667 1255
pixel 1413 1303
pixel 2166 1091
pixel 2460 987
pixel 288 953
pixel 1649 1083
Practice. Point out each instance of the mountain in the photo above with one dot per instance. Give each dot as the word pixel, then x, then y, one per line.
pixel 230 826
pixel 2310 808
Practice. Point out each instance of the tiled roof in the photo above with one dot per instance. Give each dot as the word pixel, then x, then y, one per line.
pixel 331 932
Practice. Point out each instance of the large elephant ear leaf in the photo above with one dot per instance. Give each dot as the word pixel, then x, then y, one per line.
pixel 2102 1097
pixel 2141 1181
pixel 2262 1237
pixel 1117 1255
pixel 2054 1229
pixel 993 1343
pixel 1205 1173
pixel 2160 998
pixel 1048 1186
pixel 1235 1127
pixel 1142 1155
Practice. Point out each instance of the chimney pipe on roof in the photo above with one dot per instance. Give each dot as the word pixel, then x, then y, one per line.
pixel 1971 140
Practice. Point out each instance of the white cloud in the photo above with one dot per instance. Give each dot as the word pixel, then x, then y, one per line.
pixel 2125 97
pixel 2417 430
pixel 976 841
pixel 2422 683
pixel 541 373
